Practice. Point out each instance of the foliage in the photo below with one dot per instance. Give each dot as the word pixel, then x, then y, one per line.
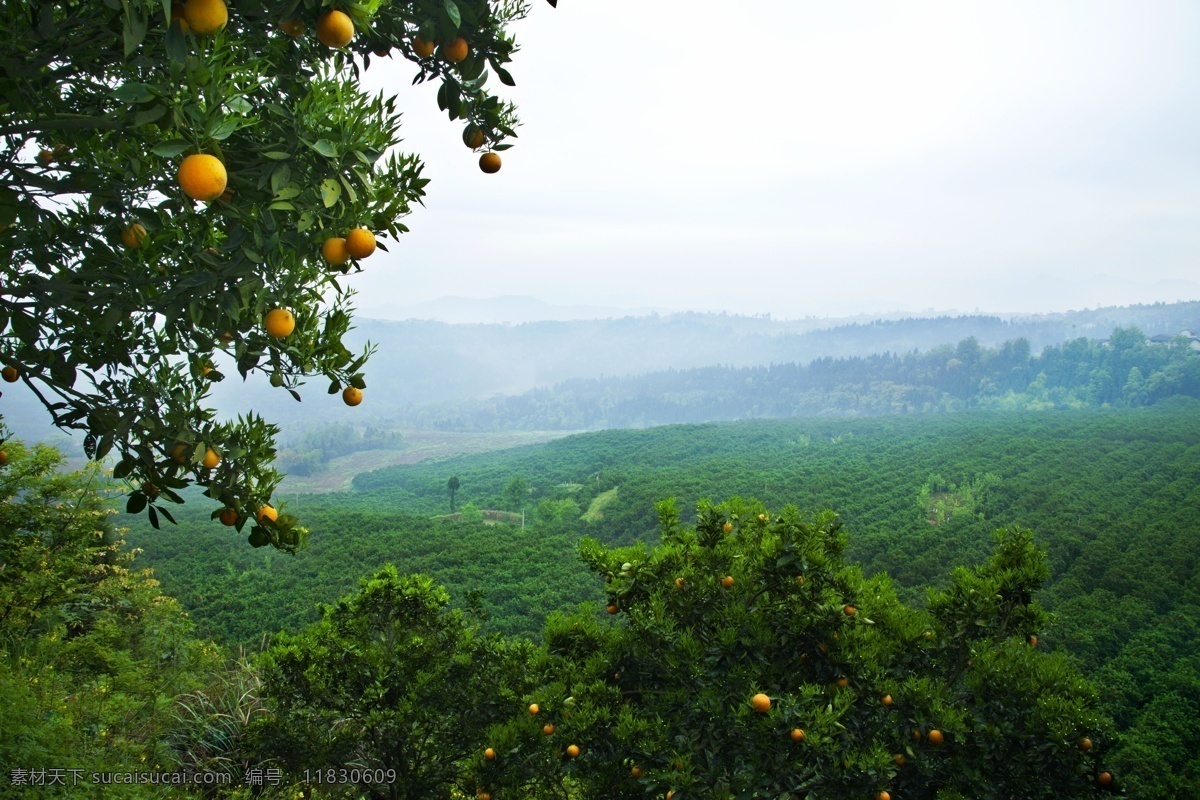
pixel 1124 371
pixel 390 682
pixel 124 299
pixel 93 652
pixel 310 454
pixel 668 686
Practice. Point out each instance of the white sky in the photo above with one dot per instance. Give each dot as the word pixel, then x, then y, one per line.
pixel 800 157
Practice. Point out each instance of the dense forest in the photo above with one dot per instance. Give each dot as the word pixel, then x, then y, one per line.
pixel 1111 495
pixel 1123 370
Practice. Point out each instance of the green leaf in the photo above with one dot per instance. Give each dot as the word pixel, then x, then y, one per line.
pixel 135 503
pixel 504 76
pixel 281 205
pixel 276 155
pixel 331 192
pixel 325 148
pixel 172 148
pixel 453 13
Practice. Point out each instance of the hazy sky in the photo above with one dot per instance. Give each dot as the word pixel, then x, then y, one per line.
pixel 800 157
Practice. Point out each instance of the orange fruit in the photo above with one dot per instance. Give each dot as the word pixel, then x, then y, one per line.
pixel 843 682
pixel 180 452
pixel 679 583
pixel 547 729
pixel 1104 779
pixel 211 459
pixel 761 703
pixel 229 516
pixel 205 16
pixel 572 751
pixel 10 374
pixel 799 580
pixel 133 235
pixel 727 581
pixel 928 634
pixel 360 243
pixel 335 29
pixel 797 734
pixel 670 794
pixel 352 395
pixel 489 754
pixel 935 737
pixel 265 513
pixel 456 50
pixel 202 177
pixel 489 163
pixel 612 608
pixel 335 251
pixel 279 323
pixel 1085 744
pixel 1033 641
pixel 886 699
pixel 533 709
pixel 849 610
pixel 484 796
pixel 637 771
pixel 898 759
pixel 883 796
pixel 45 157
pixel 422 48
pixel 916 735
pixel 293 27
pixel 475 139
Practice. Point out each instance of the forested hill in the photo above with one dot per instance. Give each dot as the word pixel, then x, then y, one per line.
pixel 1126 370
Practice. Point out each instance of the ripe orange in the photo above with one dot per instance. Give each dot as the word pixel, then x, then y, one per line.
pixel 843 682
pixel 727 581
pixel 762 517
pixel 1104 779
pixel 422 48
pixel 849 610
pixel 229 516
pixel 612 608
pixel 489 754
pixel 352 395
pixel 180 452
pixel 800 580
pixel 3 459
pixel 335 251
pixel 202 177
pixel 1085 744
pixel 761 703
pixel 335 29
pixel 1033 641
pixel 211 459
pixel 456 50
pixel 267 512
pixel 133 235
pixel 928 634
pixel 637 771
pixel 883 796
pixel 572 751
pixel 935 737
pixel 10 374
pixel 293 27
pixel 727 527
pixel 45 157
pixel 489 163
pixel 475 139
pixel 360 243
pixel 886 700
pixel 547 729
pixel 670 794
pixel 279 323
pixel 797 734
pixel 679 583
pixel 484 796
pixel 916 735
pixel 533 709
pixel 898 759
pixel 205 16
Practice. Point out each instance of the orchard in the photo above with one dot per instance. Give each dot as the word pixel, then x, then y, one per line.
pixel 183 181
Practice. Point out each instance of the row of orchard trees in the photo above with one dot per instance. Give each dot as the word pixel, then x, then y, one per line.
pixel 739 658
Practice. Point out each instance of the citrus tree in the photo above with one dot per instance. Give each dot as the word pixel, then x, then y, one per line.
pixel 182 186
pixel 743 658
pixel 390 694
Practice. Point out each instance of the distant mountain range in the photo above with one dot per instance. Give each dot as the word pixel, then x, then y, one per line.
pixel 423 364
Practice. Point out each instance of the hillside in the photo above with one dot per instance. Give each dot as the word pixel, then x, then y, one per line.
pixel 1111 495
